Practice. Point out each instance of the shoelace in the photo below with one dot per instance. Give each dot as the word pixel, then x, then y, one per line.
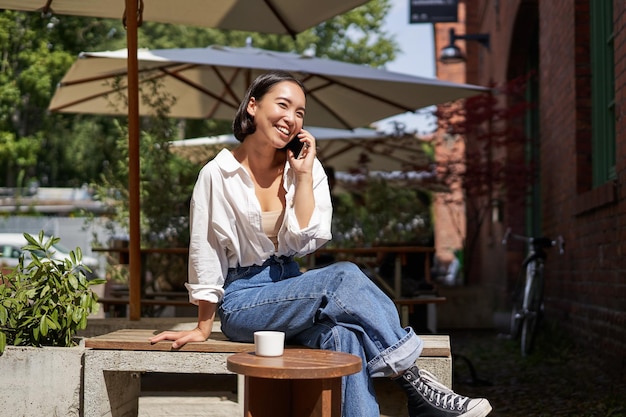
pixel 438 393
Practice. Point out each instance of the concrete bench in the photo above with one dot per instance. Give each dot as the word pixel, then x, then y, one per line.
pixel 115 361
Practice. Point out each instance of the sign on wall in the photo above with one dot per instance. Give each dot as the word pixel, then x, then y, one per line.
pixel 433 11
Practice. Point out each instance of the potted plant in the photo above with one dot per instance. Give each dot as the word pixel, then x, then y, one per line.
pixel 43 303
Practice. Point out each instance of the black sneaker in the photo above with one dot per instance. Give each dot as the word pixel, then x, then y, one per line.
pixel 429 398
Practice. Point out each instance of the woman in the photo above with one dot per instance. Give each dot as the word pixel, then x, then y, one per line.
pixel 255 208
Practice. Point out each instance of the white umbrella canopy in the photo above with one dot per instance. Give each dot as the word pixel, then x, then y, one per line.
pixel 350 151
pixel 380 153
pixel 276 16
pixel 360 149
pixel 267 16
pixel 210 82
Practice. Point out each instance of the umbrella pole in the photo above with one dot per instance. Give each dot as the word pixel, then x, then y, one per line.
pixel 133 162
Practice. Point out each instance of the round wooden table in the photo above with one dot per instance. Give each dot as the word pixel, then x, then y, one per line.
pixel 301 383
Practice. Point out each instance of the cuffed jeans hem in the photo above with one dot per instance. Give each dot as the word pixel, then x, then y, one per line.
pixel 397 358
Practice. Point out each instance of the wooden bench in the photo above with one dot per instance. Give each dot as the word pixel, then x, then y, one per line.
pixel 115 361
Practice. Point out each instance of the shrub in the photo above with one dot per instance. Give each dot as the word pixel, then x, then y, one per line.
pixel 45 302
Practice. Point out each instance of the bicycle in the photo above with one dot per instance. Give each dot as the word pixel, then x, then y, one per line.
pixel 528 305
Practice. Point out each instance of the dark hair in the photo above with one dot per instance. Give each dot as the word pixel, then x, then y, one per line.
pixel 243 123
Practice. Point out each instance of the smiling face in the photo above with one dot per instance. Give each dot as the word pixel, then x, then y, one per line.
pixel 279 114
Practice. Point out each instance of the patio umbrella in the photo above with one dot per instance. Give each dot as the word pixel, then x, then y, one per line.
pixel 210 82
pixel 267 16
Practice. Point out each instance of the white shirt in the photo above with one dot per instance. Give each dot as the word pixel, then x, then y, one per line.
pixel 226 224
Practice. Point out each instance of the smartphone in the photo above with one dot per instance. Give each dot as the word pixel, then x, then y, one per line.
pixel 295 146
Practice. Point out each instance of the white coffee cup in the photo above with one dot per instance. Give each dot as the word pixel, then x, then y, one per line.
pixel 268 343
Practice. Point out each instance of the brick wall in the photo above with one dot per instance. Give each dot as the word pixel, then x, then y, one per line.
pixel 585 288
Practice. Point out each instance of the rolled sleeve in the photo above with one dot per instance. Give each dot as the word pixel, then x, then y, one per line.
pixel 198 292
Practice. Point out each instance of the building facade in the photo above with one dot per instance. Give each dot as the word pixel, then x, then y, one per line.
pixel 572 54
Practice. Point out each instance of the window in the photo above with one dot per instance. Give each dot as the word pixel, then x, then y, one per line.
pixel 602 91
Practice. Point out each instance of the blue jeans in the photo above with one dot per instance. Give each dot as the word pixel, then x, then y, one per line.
pixel 336 307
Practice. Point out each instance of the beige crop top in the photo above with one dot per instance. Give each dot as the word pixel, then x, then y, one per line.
pixel 272 220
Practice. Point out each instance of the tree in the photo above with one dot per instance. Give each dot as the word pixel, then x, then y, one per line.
pixel 37 50
pixel 482 157
pixel 28 74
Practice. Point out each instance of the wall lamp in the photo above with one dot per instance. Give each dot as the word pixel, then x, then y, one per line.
pixel 451 54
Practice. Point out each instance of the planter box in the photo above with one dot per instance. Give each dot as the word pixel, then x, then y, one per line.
pixel 41 381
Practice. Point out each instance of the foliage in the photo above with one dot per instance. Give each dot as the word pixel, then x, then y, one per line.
pixel 45 302
pixel 483 153
pixel 381 214
pixel 36 51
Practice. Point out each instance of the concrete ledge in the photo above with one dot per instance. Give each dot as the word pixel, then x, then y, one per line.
pixel 41 381
pixel 112 382
pixel 113 377
pixel 77 381
pixel 441 367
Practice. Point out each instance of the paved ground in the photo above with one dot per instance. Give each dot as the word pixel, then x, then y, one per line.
pixel 556 381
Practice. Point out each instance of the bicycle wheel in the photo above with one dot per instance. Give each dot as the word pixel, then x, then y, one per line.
pixel 517 315
pixel 517 311
pixel 532 305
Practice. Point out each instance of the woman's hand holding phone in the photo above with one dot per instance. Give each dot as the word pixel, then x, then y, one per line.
pixel 295 146
pixel 301 152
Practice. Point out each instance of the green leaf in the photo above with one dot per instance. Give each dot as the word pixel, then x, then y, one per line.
pixel 31 240
pixel 83 322
pixel 97 281
pixel 79 313
pixel 3 341
pixel 44 290
pixel 52 324
pixel 43 325
pixel 73 281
